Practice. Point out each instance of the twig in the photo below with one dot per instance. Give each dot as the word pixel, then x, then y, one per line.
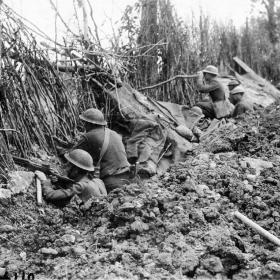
pixel 163 153
pixel 94 23
pixel 85 21
pixel 39 32
pixel 257 228
pixel 168 81
pixel 9 129
pixel 0 48
pixel 60 17
pixel 55 36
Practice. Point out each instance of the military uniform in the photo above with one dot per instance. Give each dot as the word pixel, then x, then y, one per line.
pixel 242 107
pixel 114 166
pixel 85 188
pixel 219 107
pixel 215 89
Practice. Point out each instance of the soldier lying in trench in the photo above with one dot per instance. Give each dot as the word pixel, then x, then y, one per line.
pixel 85 187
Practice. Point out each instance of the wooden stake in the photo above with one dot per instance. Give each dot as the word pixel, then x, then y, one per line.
pixel 38 191
pixel 257 228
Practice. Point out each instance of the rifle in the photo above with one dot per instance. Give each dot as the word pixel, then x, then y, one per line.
pixel 46 168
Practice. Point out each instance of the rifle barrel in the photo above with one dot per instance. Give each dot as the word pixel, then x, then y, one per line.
pixel 36 166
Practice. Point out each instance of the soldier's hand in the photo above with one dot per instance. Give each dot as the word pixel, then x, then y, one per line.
pixel 41 175
pixel 53 178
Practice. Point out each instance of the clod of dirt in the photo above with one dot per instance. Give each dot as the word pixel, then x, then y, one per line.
pixel 49 251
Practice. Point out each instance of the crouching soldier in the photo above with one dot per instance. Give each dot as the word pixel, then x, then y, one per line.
pixel 237 98
pixel 106 148
pixel 233 84
pixel 80 165
pixel 218 106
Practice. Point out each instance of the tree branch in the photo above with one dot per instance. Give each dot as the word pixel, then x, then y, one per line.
pixel 168 81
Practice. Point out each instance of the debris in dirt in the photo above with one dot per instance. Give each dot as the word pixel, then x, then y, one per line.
pixel 23 256
pixel 257 228
pixel 251 178
pixel 260 130
pixel 222 137
pixel 212 264
pixel 271 271
pixel 257 164
pixel 68 239
pixel 2 271
pixel 247 187
pixel 5 195
pixel 7 228
pixel 271 180
pixel 49 251
pixel 78 250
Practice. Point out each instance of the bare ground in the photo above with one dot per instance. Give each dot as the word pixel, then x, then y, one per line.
pixel 175 226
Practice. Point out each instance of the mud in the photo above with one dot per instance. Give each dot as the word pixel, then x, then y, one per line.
pixel 176 226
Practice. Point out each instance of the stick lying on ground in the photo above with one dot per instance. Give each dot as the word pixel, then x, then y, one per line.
pixel 38 191
pixel 257 228
pixel 41 167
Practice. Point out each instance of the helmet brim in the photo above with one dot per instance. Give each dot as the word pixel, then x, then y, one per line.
pixel 233 93
pixel 83 118
pixel 212 73
pixel 77 164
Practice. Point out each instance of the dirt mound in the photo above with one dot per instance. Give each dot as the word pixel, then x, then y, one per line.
pixel 262 133
pixel 147 231
pixel 176 226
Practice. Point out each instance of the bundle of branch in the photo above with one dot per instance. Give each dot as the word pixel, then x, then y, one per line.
pixel 92 71
pixel 33 98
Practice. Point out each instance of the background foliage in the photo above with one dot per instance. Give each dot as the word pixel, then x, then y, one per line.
pixel 160 45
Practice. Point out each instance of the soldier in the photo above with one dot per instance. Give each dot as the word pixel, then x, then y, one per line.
pixel 80 164
pixel 237 98
pixel 106 148
pixel 218 106
pixel 232 84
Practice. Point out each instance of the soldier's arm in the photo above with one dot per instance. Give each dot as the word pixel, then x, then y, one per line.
pixel 51 194
pixel 205 88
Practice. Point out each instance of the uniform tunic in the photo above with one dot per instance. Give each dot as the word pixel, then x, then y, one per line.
pixel 242 107
pixel 85 188
pixel 215 89
pixel 114 166
pixel 220 106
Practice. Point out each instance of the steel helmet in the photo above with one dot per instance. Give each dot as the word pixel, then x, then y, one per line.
pixel 94 116
pixel 81 159
pixel 233 83
pixel 211 69
pixel 238 89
